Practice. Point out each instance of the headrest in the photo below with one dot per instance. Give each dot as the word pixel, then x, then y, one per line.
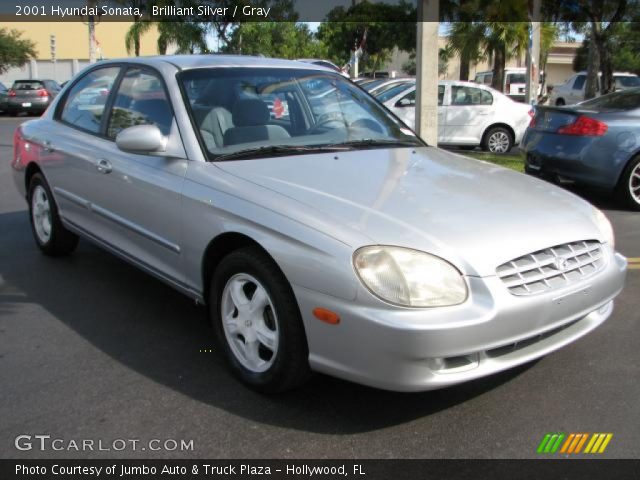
pixel 250 112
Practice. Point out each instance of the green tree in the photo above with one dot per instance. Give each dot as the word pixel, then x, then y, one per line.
pixel 134 34
pixel 343 29
pixel 14 50
pixel 625 45
pixel 275 39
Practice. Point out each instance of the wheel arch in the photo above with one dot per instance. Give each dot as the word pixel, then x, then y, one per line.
pixel 623 170
pixel 221 246
pixel 29 172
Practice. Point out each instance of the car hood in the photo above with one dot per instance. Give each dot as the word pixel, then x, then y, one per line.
pixel 475 214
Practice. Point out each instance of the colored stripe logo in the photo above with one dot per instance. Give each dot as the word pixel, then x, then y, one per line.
pixel 573 443
pixel 633 263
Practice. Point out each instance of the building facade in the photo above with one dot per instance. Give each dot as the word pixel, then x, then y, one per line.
pixel 72 47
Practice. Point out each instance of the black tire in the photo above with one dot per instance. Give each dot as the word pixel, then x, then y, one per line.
pixel 488 144
pixel 60 241
pixel 289 366
pixel 560 102
pixel 628 181
pixel 13 114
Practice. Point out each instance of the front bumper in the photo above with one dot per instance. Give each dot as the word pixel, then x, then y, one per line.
pixel 406 349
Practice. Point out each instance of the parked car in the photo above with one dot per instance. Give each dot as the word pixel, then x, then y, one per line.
pixel 336 243
pixel 389 84
pixel 470 115
pixel 514 82
pixel 373 83
pixel 325 63
pixel 572 91
pixel 3 97
pixel 384 95
pixel 31 96
pixel 592 143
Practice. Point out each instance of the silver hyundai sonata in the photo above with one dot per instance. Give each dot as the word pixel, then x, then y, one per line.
pixel 320 232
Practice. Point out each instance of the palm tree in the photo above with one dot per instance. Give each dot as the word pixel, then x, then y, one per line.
pixel 187 36
pixel 504 40
pixel 465 39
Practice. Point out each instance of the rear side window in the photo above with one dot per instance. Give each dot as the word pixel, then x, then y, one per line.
pixel 470 96
pixel 140 100
pixel 579 83
pixel 623 100
pixel 84 105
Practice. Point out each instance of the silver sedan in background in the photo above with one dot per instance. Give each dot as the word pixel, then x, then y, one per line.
pixel 322 235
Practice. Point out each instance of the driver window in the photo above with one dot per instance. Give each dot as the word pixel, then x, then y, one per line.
pixel 140 100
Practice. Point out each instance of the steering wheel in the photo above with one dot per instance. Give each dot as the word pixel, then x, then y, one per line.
pixel 326 119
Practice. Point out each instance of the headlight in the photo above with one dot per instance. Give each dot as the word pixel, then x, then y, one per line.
pixel 408 277
pixel 604 225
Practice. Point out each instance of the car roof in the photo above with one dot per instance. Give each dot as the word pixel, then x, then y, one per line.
pixel 616 74
pixel 506 70
pixel 187 62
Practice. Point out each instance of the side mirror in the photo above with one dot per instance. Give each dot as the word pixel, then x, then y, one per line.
pixel 141 139
pixel 405 102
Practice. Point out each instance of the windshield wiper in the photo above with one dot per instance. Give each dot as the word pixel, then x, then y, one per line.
pixel 377 142
pixel 259 152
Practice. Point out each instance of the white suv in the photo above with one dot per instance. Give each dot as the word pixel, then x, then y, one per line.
pixel 572 91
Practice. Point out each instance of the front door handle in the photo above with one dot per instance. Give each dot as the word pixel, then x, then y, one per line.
pixel 104 166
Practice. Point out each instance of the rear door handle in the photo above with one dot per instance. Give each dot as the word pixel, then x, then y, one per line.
pixel 104 166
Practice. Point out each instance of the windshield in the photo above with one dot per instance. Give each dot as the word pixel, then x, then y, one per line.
pixel 623 100
pixel 285 111
pixel 626 82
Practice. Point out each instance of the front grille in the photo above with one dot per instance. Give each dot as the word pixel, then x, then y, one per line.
pixel 552 268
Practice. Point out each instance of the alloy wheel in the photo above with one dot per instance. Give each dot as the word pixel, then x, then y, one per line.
pixel 41 213
pixel 498 142
pixel 634 183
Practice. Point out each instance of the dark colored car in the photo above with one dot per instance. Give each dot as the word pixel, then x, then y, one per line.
pixel 3 97
pixel 594 143
pixel 31 96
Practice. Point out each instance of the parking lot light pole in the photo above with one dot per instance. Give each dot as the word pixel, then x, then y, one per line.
pixel 533 54
pixel 427 71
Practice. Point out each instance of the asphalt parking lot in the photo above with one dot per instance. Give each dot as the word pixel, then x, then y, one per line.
pixel 91 348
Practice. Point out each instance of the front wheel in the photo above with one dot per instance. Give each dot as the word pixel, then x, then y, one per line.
pixel 49 233
pixel 497 140
pixel 629 186
pixel 257 322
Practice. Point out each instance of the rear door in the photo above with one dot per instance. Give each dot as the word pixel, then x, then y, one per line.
pixel 466 115
pixel 70 146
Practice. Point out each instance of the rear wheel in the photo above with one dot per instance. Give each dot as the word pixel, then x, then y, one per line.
pixel 257 322
pixel 497 140
pixel 49 233
pixel 629 185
